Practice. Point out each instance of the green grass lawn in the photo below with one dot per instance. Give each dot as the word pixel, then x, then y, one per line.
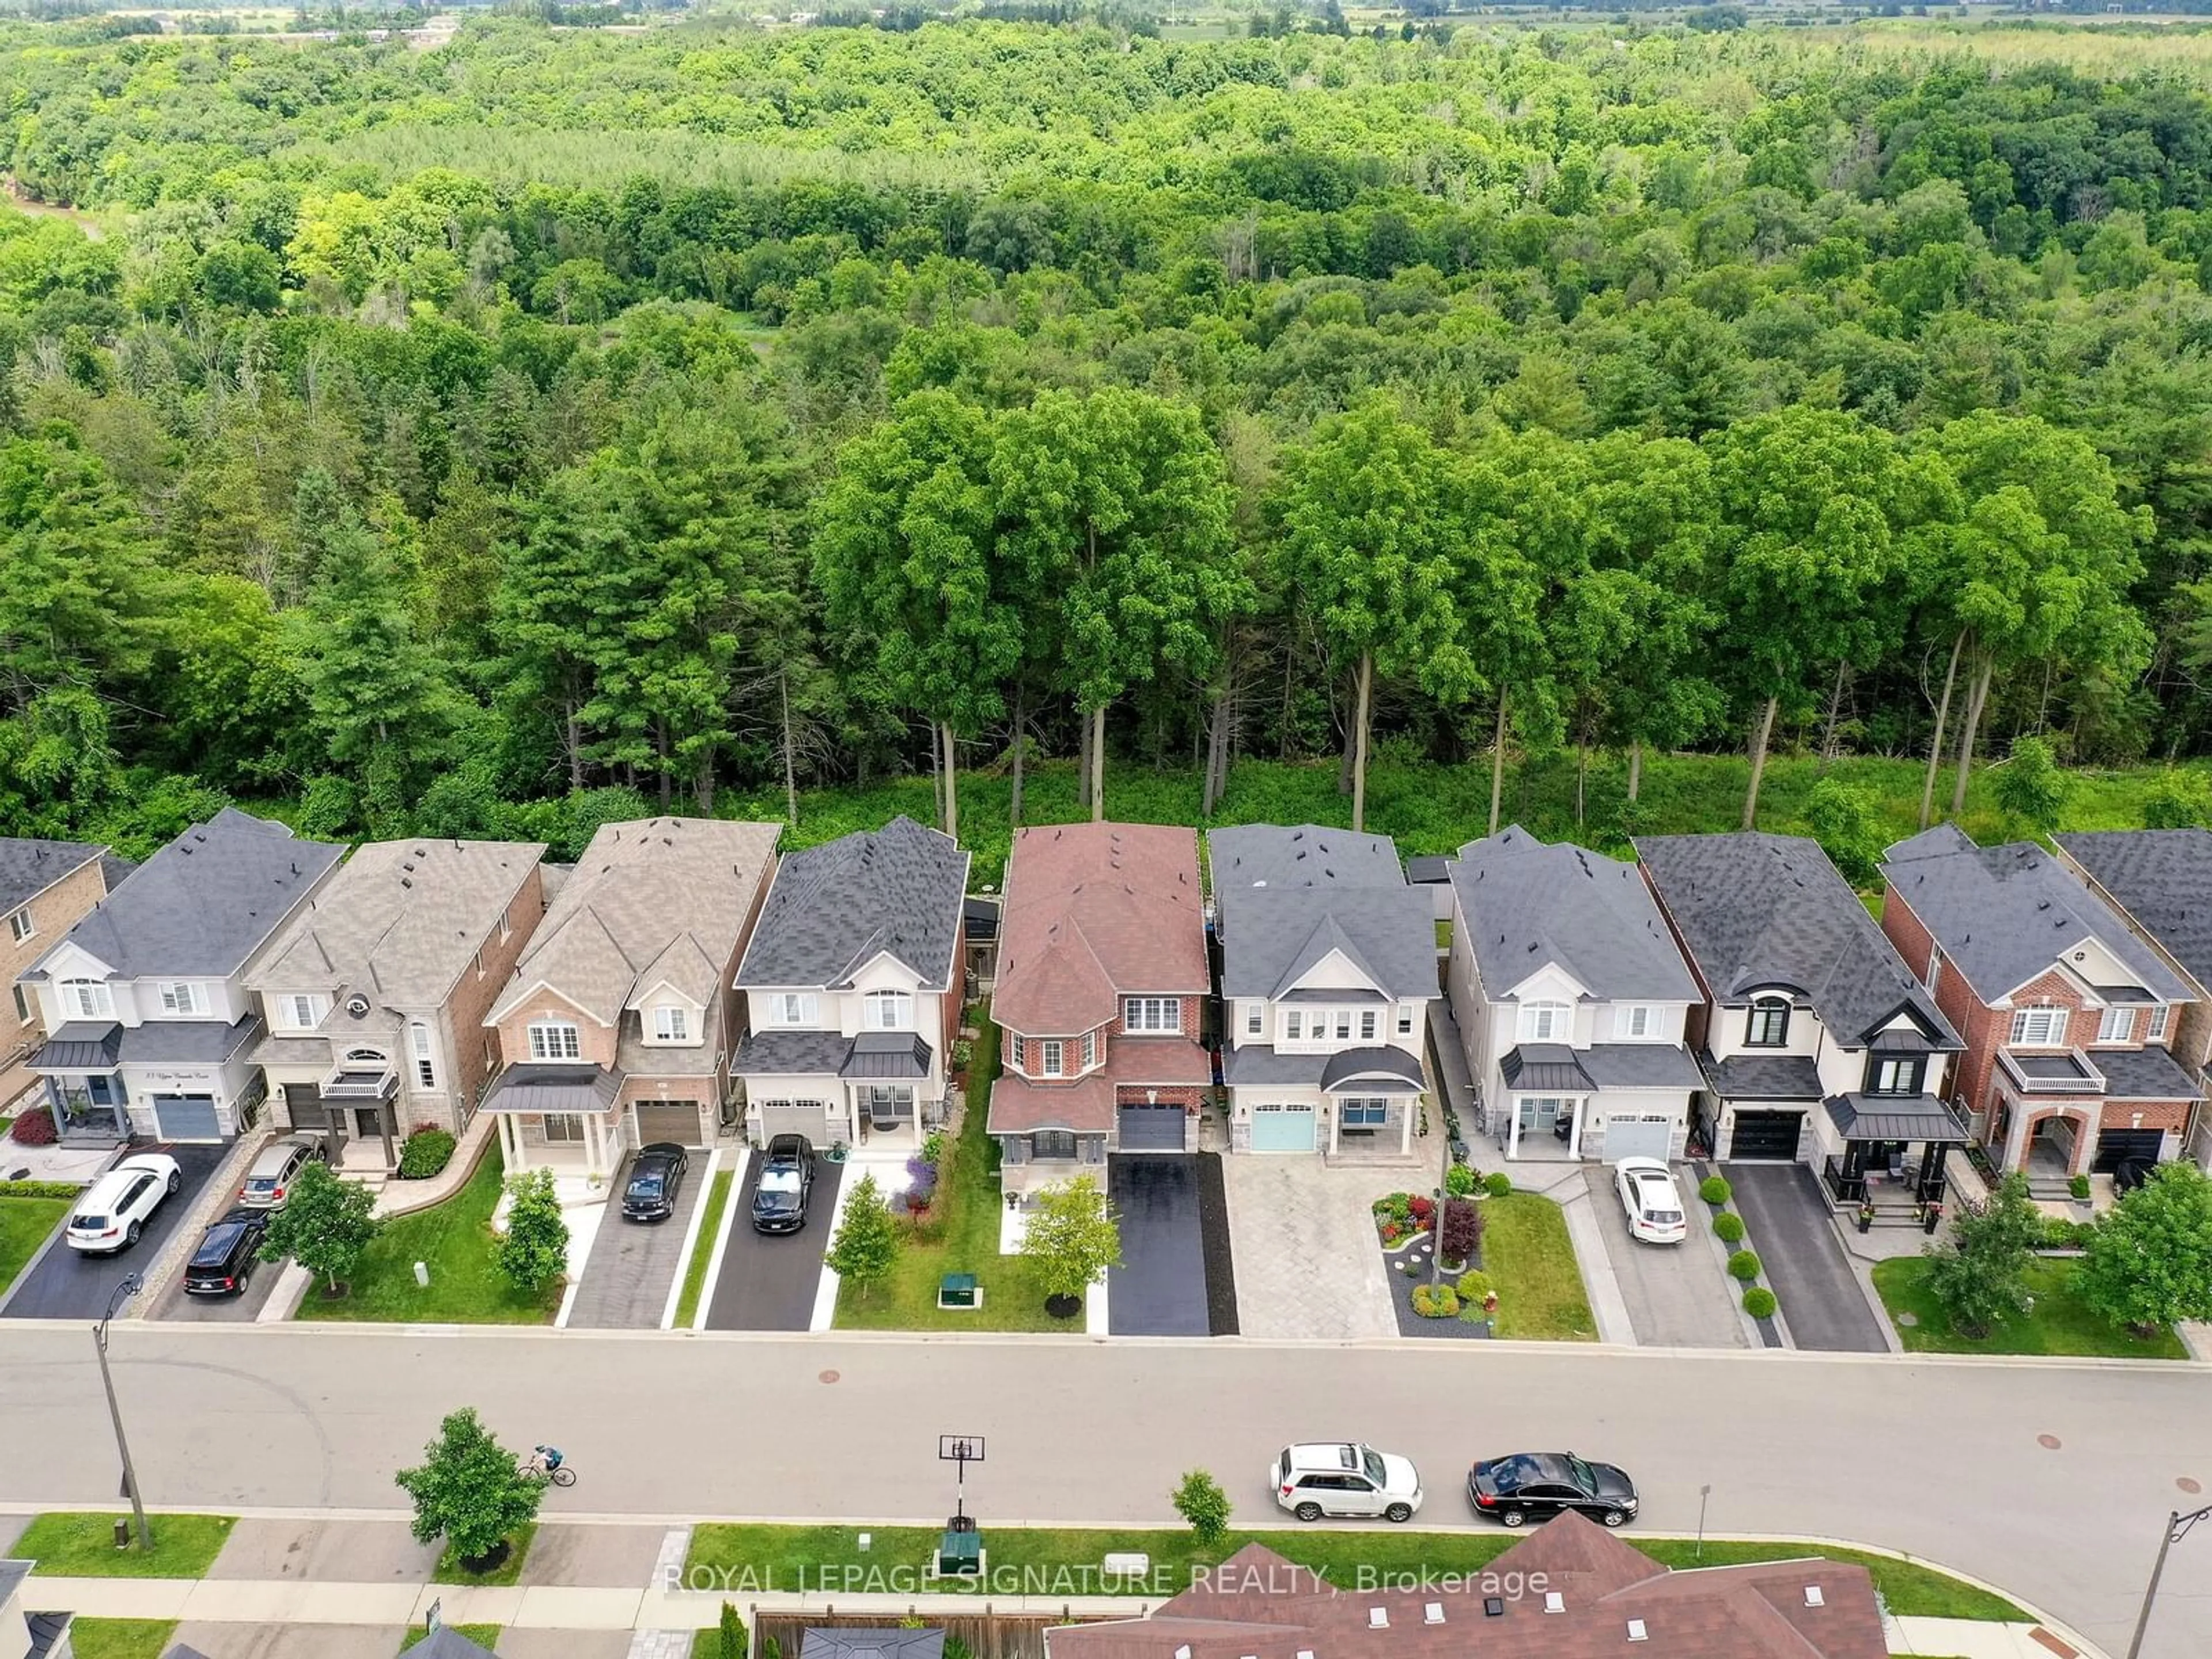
pixel 71 1544
pixel 25 1224
pixel 785 1559
pixel 449 1570
pixel 703 1248
pixel 1530 1261
pixel 960 1235
pixel 2060 1324
pixel 484 1635
pixel 466 1287
pixel 121 1638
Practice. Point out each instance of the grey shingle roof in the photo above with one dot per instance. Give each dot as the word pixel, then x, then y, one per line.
pixel 1270 935
pixel 2145 1073
pixel 27 868
pixel 792 1054
pixel 1388 1070
pixel 848 1643
pixel 2005 914
pixel 1428 869
pixel 88 1045
pixel 1761 911
pixel 1641 1065
pixel 1766 1076
pixel 835 907
pixel 205 903
pixel 2163 878
pixel 1258 1065
pixel 1528 903
pixel 1301 855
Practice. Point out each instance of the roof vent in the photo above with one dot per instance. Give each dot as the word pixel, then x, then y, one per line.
pixel 1182 1652
pixel 1813 1598
pixel 1432 1613
pixel 1378 1618
pixel 1636 1633
pixel 1493 1607
pixel 1554 1603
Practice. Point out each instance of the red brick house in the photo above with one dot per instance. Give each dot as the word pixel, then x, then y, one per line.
pixel 2069 1016
pixel 1102 991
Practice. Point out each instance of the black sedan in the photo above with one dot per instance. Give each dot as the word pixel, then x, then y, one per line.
pixel 228 1253
pixel 656 1175
pixel 787 1181
pixel 1537 1486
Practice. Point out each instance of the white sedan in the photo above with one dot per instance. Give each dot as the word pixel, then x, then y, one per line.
pixel 114 1208
pixel 1648 1195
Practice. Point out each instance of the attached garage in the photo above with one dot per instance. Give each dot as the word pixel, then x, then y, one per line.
pixel 2116 1147
pixel 1639 1136
pixel 186 1117
pixel 303 1107
pixel 1281 1128
pixel 810 1118
pixel 1147 1128
pixel 1765 1135
pixel 677 1121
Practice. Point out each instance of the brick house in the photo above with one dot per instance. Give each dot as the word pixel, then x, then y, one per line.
pixel 2067 1013
pixel 374 996
pixel 616 1027
pixel 47 887
pixel 1102 991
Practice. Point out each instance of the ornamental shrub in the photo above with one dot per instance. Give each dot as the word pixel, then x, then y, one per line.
pixel 1744 1265
pixel 426 1152
pixel 1728 1227
pixel 1435 1301
pixel 1758 1302
pixel 1497 1183
pixel 1461 1182
pixel 34 1128
pixel 1715 1190
pixel 1460 1232
pixel 1474 1287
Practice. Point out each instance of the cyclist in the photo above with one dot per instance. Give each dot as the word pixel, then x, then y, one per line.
pixel 549 1458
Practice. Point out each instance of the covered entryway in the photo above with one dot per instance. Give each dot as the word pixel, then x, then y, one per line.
pixel 676 1121
pixel 186 1117
pixel 1149 1128
pixel 1278 1128
pixel 2116 1147
pixel 1638 1136
pixel 1766 1135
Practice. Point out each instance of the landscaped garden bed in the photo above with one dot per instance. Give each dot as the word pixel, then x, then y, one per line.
pixel 1456 1301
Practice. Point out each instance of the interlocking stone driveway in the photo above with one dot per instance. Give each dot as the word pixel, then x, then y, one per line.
pixel 633 1264
pixel 1677 1297
pixel 1306 1265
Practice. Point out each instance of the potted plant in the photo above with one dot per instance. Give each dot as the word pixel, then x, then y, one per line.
pixel 1866 1214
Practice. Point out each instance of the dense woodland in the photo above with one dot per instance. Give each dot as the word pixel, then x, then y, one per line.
pixel 407 436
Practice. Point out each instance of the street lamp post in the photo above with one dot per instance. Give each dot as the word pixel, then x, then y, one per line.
pixel 128 1288
pixel 1704 1492
pixel 2177 1528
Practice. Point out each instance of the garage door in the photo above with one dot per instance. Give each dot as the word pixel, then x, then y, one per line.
pixel 1765 1135
pixel 1637 1137
pixel 1151 1128
pixel 810 1118
pixel 669 1120
pixel 2116 1145
pixel 1282 1128
pixel 303 1107
pixel 185 1117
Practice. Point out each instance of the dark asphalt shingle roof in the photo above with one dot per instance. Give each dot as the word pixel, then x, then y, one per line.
pixel 2005 914
pixel 1761 911
pixel 89 1045
pixel 1272 935
pixel 1301 855
pixel 1530 903
pixel 1641 1065
pixel 2146 1073
pixel 792 1054
pixel 2162 878
pixel 1428 870
pixel 1258 1065
pixel 835 907
pixel 846 1642
pixel 27 868
pixel 1765 1077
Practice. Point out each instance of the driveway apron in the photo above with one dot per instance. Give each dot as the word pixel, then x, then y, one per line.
pixel 1786 1221
pixel 633 1263
pixel 69 1284
pixel 1676 1297
pixel 768 1283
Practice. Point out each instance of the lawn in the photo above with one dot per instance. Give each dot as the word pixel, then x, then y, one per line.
pixel 1910 1589
pixel 2060 1324
pixel 121 1638
pixel 1530 1261
pixel 75 1545
pixel 959 1235
pixel 25 1224
pixel 702 1249
pixel 449 1570
pixel 455 1240
pixel 484 1635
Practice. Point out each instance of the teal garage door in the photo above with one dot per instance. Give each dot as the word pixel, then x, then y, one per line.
pixel 1282 1128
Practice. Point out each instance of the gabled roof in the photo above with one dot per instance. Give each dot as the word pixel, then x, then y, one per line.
pixel 1764 912
pixel 1303 855
pixel 27 868
pixel 2007 914
pixel 1094 911
pixel 2162 878
pixel 1530 904
pixel 201 907
pixel 835 907
pixel 640 891
pixel 1272 937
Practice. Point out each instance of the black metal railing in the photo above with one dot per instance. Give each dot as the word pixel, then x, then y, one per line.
pixel 1844 1187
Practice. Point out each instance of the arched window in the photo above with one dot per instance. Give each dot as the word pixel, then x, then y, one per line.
pixel 1769 1024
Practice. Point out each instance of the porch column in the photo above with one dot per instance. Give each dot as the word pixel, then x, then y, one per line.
pixel 383 1117
pixel 1932 1181
pixel 2085 1143
pixel 1575 1134
pixel 510 1142
pixel 1513 1127
pixel 1406 1128
pixel 594 1146
pixel 2016 1136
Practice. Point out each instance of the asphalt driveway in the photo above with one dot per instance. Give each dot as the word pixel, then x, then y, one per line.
pixel 1785 1216
pixel 242 1309
pixel 66 1283
pixel 1676 1297
pixel 633 1265
pixel 1164 1204
pixel 767 1284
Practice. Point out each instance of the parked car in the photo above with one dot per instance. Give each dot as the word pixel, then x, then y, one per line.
pixel 656 1175
pixel 1649 1196
pixel 787 1181
pixel 227 1252
pixel 115 1208
pixel 1537 1486
pixel 1338 1478
pixel 269 1183
pixel 2130 1174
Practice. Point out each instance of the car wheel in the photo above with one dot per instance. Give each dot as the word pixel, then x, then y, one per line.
pixel 131 1237
pixel 1399 1514
pixel 175 1182
pixel 1308 1511
pixel 1513 1517
pixel 1615 1518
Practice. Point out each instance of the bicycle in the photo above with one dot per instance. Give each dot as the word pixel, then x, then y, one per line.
pixel 555 1468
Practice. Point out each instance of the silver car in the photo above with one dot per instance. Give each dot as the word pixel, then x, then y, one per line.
pixel 269 1183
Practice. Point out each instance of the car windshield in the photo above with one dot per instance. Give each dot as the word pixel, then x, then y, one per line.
pixel 1584 1477
pixel 90 1221
pixel 779 1180
pixel 646 1183
pixel 261 1184
pixel 1374 1462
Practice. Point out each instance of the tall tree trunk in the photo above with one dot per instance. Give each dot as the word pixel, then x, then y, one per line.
pixel 1835 714
pixel 703 784
pixel 1021 736
pixel 936 776
pixel 1936 743
pixel 1635 766
pixel 1976 699
pixel 660 766
pixel 1098 764
pixel 1290 662
pixel 1582 775
pixel 572 736
pixel 790 767
pixel 1498 757
pixel 951 783
pixel 1359 714
pixel 1762 733
pixel 1216 748
pixel 1083 761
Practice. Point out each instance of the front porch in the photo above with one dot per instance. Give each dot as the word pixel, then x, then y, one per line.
pixel 1889 1152
pixel 89 1110
pixel 569 1119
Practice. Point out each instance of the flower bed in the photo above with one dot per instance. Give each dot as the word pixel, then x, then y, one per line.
pixel 1408 1266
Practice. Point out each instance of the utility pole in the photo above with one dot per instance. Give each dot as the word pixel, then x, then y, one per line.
pixel 128 1288
pixel 2177 1528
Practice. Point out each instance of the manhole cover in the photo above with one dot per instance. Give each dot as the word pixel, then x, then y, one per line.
pixel 2190 1486
pixel 2048 1442
pixel 827 1377
pixel 1908 1320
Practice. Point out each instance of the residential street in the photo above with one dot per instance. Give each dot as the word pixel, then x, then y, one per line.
pixel 1942 1458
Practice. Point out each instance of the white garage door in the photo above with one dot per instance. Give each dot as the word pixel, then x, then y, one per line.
pixel 186 1117
pixel 1636 1136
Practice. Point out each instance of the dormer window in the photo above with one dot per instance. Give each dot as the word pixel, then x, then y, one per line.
pixel 2118 1025
pixel 2038 1028
pixel 183 997
pixel 553 1039
pixel 87 999
pixel 1768 1027
pixel 1156 1014
pixel 671 1023
pixel 1546 1022
pixel 888 1011
pixel 1891 1074
pixel 299 1012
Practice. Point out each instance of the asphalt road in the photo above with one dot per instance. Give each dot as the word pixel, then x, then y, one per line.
pixel 68 1284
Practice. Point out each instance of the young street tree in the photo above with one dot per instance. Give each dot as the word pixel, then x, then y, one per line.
pixel 1980 1273
pixel 1073 1239
pixel 2149 1261
pixel 535 1251
pixel 1200 1501
pixel 324 1226
pixel 867 1243
pixel 470 1490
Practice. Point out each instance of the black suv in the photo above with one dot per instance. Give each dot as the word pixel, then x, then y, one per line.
pixel 227 1252
pixel 656 1175
pixel 1537 1486
pixel 787 1181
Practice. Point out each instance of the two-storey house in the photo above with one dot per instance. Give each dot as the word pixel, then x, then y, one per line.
pixel 373 996
pixel 1328 964
pixel 2067 1013
pixel 1570 998
pixel 853 986
pixel 1817 1045
pixel 1103 984
pixel 616 1027
pixel 45 888
pixel 152 1025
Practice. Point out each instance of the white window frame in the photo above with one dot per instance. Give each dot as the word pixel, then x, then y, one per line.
pixel 671 1023
pixel 1405 1019
pixel 299 1010
pixel 2161 1017
pixel 22 1005
pixel 1153 1015
pixel 1090 1049
pixel 2050 1020
pixel 1546 1022
pixel 1370 1025
pixel 887 1010
pixel 552 1041
pixel 1052 1061
pixel 86 999
pixel 564 1128
pixel 1343 1026
pixel 796 1008
pixel 1636 1021
pixel 21 925
pixel 426 1060
pixel 184 997
pixel 2117 1025
pixel 1255 1019
pixel 1294 1025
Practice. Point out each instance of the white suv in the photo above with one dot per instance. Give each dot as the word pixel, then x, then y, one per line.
pixel 1650 1201
pixel 1338 1479
pixel 114 1208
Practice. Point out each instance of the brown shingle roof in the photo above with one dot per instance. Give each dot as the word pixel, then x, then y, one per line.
pixel 1020 1106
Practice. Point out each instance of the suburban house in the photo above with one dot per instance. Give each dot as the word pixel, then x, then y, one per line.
pixel 1328 964
pixel 1102 984
pixel 374 994
pixel 1567 1591
pixel 152 1027
pixel 45 888
pixel 618 1024
pixel 1817 1043
pixel 1571 1000
pixel 2067 1013
pixel 852 986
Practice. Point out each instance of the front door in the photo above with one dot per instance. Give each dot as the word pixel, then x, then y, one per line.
pixel 368 1122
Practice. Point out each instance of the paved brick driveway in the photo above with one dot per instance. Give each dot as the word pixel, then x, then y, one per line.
pixel 633 1265
pixel 1306 1265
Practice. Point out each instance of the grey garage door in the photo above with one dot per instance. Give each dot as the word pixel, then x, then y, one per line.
pixel 2115 1147
pixel 810 1118
pixel 1765 1135
pixel 185 1117
pixel 669 1120
pixel 1637 1137
pixel 303 1107
pixel 1151 1128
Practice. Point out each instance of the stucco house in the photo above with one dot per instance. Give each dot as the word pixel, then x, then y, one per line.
pixel 374 994
pixel 853 986
pixel 1328 964
pixel 1102 986
pixel 152 1026
pixel 616 1027
pixel 46 888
